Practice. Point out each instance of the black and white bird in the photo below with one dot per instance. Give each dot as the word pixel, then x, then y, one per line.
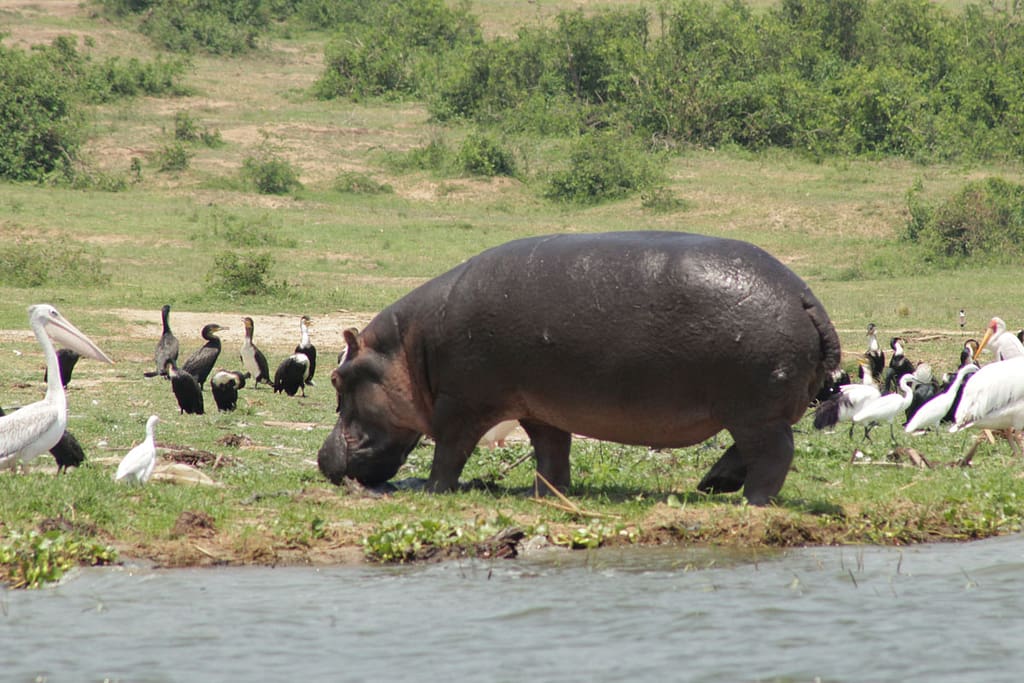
pixel 291 374
pixel 186 390
pixel 306 347
pixel 940 407
pixel 875 356
pixel 37 427
pixel 224 386
pixel 844 405
pixel 253 359
pixel 166 346
pixel 200 363
pixel 138 464
pixel 899 365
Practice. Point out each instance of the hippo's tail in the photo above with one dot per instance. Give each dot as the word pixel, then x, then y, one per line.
pixel 830 352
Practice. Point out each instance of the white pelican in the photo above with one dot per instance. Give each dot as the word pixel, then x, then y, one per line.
pixel 137 465
pixel 37 427
pixel 886 408
pixel 994 398
pixel 931 413
pixel 850 399
pixel 495 436
pixel 1005 345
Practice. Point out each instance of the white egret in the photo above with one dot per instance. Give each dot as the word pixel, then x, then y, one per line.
pixel 37 427
pixel 931 413
pixel 138 464
pixel 850 399
pixel 886 408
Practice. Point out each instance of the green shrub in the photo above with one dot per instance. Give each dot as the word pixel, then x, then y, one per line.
pixel 173 157
pixel 186 129
pixel 602 167
pixel 270 174
pixel 352 182
pixel 40 127
pixel 243 275
pixel 34 263
pixel 984 219
pixel 480 154
pixel 240 231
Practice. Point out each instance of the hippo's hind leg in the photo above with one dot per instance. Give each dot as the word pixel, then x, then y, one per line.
pixel 551 448
pixel 759 462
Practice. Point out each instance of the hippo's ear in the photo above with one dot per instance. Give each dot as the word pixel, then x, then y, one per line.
pixel 352 340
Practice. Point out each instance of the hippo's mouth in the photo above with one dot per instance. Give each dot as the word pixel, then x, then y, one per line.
pixel 373 461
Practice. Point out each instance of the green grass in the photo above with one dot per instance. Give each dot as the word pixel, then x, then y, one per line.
pixel 836 223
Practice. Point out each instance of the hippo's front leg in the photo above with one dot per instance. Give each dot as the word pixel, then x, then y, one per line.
pixel 551 447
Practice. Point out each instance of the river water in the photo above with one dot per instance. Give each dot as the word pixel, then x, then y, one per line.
pixel 945 612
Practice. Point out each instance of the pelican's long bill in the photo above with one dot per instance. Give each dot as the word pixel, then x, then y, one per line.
pixel 61 330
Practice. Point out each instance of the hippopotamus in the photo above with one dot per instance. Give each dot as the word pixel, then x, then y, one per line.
pixel 659 339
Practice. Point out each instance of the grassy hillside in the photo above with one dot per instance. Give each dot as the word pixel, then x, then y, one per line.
pixel 113 258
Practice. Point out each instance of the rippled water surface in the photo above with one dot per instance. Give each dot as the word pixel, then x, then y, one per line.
pixel 927 613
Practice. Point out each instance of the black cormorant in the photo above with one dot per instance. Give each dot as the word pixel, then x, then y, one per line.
pixel 202 360
pixel 291 374
pixel 186 390
pixel 899 365
pixel 874 354
pixel 253 359
pixel 166 347
pixel 224 386
pixel 307 348
pixel 66 359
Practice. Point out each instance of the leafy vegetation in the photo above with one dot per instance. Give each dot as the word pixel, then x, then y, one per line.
pixel 984 219
pixel 30 560
pixel 236 274
pixel 28 262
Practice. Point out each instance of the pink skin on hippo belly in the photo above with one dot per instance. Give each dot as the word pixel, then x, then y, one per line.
pixel 650 338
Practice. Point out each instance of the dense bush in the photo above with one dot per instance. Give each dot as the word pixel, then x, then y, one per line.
pixel 602 166
pixel 481 154
pixel 243 274
pixel 984 219
pixel 40 128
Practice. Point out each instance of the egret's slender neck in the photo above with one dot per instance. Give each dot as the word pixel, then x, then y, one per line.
pixel 54 387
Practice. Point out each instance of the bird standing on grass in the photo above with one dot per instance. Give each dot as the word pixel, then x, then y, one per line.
pixel 166 346
pixel 850 399
pixel 186 390
pixel 202 360
pixel 224 386
pixel 306 347
pixel 38 427
pixel 886 408
pixel 138 465
pixel 291 373
pixel 874 354
pixel 253 359
pixel 936 410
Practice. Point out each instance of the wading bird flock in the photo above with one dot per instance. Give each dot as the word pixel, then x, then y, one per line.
pixel 42 426
pixel 989 397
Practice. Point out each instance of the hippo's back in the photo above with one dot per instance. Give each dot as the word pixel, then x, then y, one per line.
pixel 674 325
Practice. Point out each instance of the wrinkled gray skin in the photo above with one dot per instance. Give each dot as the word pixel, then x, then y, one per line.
pixel 659 339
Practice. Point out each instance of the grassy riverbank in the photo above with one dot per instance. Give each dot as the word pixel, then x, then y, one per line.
pixel 111 259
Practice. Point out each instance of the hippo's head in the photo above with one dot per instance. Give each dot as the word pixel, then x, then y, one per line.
pixel 371 440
